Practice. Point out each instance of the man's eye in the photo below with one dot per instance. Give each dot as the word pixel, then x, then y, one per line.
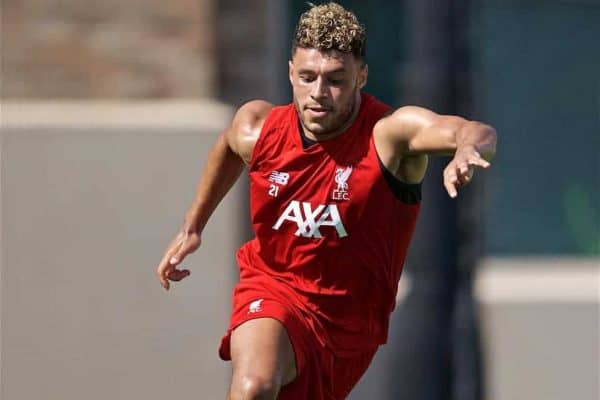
pixel 336 81
pixel 306 78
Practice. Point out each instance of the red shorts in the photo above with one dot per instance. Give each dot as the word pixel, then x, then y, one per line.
pixel 320 375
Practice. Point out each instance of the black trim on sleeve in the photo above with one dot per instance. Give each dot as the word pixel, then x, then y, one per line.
pixel 408 193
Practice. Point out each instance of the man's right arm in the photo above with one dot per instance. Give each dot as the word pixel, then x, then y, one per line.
pixel 224 165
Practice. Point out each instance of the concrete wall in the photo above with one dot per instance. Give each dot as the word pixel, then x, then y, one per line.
pixel 91 196
pixel 541 328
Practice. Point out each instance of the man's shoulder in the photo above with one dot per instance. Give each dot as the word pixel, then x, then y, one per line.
pixel 252 114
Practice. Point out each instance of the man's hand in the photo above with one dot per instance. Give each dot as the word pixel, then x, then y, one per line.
pixel 460 170
pixel 183 244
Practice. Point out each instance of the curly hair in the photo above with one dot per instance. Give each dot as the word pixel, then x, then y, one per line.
pixel 330 27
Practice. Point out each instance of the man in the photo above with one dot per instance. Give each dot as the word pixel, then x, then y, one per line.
pixel 335 191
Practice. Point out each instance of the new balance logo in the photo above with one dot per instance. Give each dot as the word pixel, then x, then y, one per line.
pixel 310 221
pixel 280 178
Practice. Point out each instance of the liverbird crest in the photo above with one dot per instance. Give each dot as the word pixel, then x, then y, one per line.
pixel 341 177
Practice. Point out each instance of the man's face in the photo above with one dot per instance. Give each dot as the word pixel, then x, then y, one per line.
pixel 326 86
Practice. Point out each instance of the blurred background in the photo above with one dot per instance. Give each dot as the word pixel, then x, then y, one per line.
pixel 108 111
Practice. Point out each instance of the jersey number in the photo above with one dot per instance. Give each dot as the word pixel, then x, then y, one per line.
pixel 273 190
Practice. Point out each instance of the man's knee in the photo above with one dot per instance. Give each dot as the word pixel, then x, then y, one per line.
pixel 253 387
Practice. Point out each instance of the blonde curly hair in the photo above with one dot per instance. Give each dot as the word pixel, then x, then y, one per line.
pixel 330 27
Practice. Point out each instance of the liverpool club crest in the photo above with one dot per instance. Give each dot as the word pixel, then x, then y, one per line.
pixel 341 179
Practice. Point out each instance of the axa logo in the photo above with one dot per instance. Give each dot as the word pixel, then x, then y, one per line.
pixel 341 178
pixel 310 221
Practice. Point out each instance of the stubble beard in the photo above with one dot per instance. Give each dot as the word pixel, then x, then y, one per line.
pixel 339 123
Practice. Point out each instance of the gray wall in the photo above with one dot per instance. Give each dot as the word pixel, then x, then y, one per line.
pixel 541 324
pixel 91 196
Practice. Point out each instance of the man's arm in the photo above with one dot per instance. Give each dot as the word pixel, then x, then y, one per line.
pixel 226 160
pixel 405 138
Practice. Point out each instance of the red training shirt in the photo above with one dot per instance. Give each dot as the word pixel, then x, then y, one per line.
pixel 331 231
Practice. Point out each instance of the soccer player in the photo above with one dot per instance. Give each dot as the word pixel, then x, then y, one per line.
pixel 334 191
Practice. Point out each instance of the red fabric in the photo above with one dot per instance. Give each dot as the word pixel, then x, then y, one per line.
pixel 331 239
pixel 320 374
pixel 346 285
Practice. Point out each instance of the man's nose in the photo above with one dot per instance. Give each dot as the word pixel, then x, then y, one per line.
pixel 319 89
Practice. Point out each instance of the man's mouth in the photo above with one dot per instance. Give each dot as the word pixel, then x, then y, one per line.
pixel 318 111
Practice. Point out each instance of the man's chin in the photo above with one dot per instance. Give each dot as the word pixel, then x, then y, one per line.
pixel 317 128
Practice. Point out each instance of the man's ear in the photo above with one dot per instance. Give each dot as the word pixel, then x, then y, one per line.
pixel 363 75
pixel 291 71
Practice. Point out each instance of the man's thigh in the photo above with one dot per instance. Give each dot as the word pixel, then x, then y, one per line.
pixel 261 348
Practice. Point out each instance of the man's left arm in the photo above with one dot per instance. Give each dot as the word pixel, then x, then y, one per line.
pixel 406 136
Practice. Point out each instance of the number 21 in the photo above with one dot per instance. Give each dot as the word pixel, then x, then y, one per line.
pixel 273 190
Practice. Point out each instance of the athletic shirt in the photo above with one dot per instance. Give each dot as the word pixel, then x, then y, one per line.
pixel 332 227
